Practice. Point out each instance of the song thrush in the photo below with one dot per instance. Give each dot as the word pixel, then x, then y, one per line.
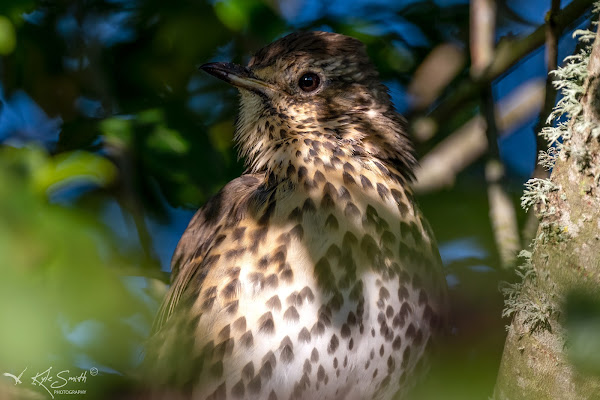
pixel 313 275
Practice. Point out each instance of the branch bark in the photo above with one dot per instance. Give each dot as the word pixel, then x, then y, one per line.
pixel 537 362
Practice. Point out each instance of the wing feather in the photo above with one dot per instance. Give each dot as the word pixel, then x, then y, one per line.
pixel 199 237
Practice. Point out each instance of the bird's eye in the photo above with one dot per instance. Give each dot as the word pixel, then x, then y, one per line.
pixel 309 82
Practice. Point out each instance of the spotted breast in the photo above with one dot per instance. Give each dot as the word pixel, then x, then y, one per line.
pixel 314 275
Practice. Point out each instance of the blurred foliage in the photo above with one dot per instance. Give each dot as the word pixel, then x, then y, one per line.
pixel 143 131
pixel 7 36
pixel 60 268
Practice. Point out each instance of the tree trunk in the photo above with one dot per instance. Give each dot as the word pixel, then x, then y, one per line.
pixel 541 359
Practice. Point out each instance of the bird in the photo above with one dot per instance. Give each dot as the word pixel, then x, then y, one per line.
pixel 314 274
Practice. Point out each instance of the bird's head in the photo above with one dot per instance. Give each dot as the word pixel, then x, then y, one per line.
pixel 311 85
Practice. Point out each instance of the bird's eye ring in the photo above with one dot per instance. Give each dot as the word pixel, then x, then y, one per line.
pixel 309 82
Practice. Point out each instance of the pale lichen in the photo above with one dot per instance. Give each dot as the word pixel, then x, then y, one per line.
pixel 565 116
pixel 536 191
pixel 536 311
pixel 569 82
pixel 547 158
pixel 538 308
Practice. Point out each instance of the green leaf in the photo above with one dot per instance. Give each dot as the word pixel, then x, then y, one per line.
pixel 168 140
pixel 117 128
pixel 233 14
pixel 8 36
pixel 68 167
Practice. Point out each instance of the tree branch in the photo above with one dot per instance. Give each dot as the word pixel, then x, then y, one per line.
pixel 543 358
pixel 508 53
pixel 439 167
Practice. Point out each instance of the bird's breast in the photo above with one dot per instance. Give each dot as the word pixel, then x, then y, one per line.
pixel 330 288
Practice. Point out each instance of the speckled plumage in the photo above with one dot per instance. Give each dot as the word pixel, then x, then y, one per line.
pixel 314 275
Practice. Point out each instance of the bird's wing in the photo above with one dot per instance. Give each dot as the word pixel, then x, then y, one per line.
pixel 203 231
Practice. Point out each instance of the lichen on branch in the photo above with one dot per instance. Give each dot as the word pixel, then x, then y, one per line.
pixel 536 311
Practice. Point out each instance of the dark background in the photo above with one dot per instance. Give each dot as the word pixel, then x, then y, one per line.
pixel 110 139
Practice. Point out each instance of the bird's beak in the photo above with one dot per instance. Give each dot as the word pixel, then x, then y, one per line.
pixel 237 76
